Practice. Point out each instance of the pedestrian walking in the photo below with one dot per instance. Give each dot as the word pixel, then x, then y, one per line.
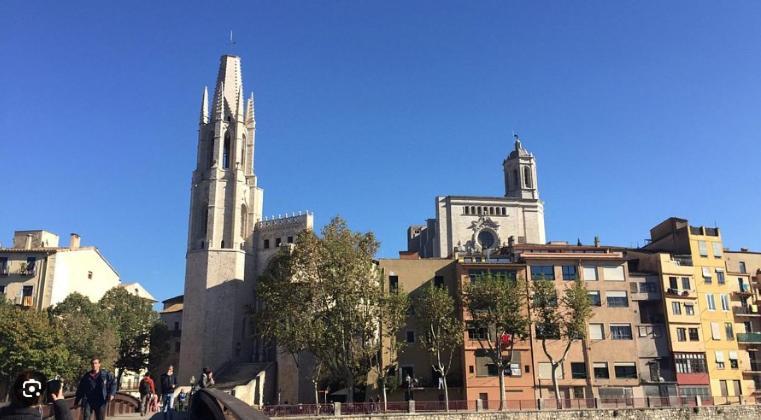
pixel 96 388
pixel 27 396
pixel 168 384
pixel 147 389
pixel 207 378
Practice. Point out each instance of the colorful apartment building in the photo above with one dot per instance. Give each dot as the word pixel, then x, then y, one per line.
pixel 744 270
pixel 696 269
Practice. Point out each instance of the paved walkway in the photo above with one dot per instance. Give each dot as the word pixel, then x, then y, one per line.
pixel 154 416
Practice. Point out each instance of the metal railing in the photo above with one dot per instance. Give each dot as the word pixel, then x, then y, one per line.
pixel 121 404
pixel 749 338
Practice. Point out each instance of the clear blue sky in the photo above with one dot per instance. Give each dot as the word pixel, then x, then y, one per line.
pixel 636 111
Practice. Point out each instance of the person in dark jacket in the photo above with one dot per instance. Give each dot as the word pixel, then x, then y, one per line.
pixel 168 385
pixel 96 388
pixel 26 397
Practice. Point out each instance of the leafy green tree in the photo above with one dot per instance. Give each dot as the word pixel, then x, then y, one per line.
pixel 29 341
pixel 91 333
pixel 332 281
pixel 437 315
pixel 133 318
pixel 392 317
pixel 563 320
pixel 159 345
pixel 498 306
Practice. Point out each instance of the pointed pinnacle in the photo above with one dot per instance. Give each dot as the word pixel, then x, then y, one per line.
pixel 250 117
pixel 239 114
pixel 219 102
pixel 204 118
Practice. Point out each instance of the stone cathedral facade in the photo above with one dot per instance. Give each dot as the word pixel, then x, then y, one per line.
pixel 485 224
pixel 228 242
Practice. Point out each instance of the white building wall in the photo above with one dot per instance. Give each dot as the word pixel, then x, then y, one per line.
pixel 71 269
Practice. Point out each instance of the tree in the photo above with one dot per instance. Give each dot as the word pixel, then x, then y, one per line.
pixel 564 321
pixel 443 330
pixel 329 286
pixel 29 341
pixel 159 345
pixel 133 318
pixel 95 335
pixel 392 317
pixel 498 309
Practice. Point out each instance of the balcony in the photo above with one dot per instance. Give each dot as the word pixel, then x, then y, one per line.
pixel 683 294
pixel 754 368
pixel 682 260
pixel 744 290
pixel 749 338
pixel 751 310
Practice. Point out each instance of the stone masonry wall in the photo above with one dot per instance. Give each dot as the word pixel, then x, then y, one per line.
pixel 737 412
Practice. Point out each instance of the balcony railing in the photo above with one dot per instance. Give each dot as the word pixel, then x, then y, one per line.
pixel 749 338
pixel 683 260
pixel 688 294
pixel 755 366
pixel 747 311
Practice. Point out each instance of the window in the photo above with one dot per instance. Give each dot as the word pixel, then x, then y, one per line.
pixel 627 370
pixel 711 302
pixel 715 331
pixel 410 336
pixel 290 239
pixel 686 283
pixel 393 283
pixel 266 244
pixel 729 330
pixel 596 332
pixel 578 370
pixel 226 152
pixel 690 362
pixel 648 287
pixel 707 275
pixel 30 264
pixel 689 309
pixel 545 371
pixel 673 283
pixel 719 360
pixel 438 281
pixel 681 334
pixel 3 266
pixel 743 269
pixel 724 302
pixel 613 273
pixel 733 360
pixel 716 249
pixel 720 276
pixel 617 299
pixel 471 369
pixel 590 272
pixel 694 334
pixel 542 272
pixel 570 272
pixel 467 209
pixel 703 248
pixel 89 275
pixel 601 370
pixel 621 331
pixel 278 241
pixel 550 331
pixel 676 308
pixel 475 333
pixel 527 177
pixel 594 297
pixel 653 331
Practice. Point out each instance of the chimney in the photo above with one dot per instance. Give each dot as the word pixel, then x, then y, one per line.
pixel 74 241
pixel 28 241
pixel 597 241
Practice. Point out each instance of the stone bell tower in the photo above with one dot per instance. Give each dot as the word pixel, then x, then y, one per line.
pixel 225 204
pixel 520 173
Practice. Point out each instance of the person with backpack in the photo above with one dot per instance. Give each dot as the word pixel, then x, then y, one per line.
pixel 96 388
pixel 147 388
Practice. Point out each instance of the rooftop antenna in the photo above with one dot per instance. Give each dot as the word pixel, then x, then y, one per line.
pixel 231 42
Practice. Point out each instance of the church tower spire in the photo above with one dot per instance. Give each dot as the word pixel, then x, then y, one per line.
pixel 520 173
pixel 225 204
pixel 204 107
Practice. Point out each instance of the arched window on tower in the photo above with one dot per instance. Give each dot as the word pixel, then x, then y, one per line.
pixel 210 150
pixel 515 178
pixel 243 154
pixel 226 152
pixel 243 220
pixel 527 177
pixel 204 227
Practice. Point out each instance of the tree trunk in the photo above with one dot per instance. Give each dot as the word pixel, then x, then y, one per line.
pixel 556 385
pixel 501 388
pixel 349 389
pixel 119 379
pixel 446 391
pixel 383 391
pixel 316 396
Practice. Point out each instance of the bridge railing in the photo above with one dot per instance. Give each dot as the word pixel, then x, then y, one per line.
pixel 121 404
pixel 213 404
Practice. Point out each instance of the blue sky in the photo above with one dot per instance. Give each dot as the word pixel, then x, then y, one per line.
pixel 636 111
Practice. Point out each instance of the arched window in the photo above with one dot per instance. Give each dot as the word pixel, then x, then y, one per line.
pixel 226 152
pixel 527 177
pixel 204 219
pixel 243 154
pixel 243 220
pixel 467 210
pixel 491 211
pixel 472 209
pixel 515 178
pixel 479 209
pixel 504 211
pixel 210 150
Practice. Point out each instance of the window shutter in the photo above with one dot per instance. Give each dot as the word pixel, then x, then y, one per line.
pixel 715 331
pixel 720 356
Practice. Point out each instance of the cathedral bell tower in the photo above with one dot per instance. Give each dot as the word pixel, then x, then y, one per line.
pixel 520 173
pixel 225 204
